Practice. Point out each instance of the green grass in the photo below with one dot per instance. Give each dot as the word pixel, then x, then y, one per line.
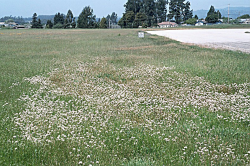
pixel 106 97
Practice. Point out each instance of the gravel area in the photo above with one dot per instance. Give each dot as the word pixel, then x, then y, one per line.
pixel 232 39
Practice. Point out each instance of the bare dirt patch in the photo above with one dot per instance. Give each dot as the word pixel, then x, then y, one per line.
pixel 143 47
pixel 133 48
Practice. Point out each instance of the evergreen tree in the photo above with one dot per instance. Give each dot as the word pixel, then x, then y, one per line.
pixel 140 19
pixel 196 17
pixel 191 21
pixel 103 23
pixel 34 23
pixel 187 13
pixel 211 11
pixel 108 18
pixel 49 24
pixel 69 19
pixel 73 23
pixel 134 5
pixel 86 18
pixel 113 18
pixel 175 10
pixel 129 19
pixel 149 9
pixel 59 19
pixel 161 10
pixel 219 14
pixel 39 24
pixel 122 22
pixel 179 10
pixel 146 13
pixel 212 15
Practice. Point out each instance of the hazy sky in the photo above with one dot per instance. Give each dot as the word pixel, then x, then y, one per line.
pixel 101 8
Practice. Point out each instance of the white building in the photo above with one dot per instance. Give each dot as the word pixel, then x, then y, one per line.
pixel 167 24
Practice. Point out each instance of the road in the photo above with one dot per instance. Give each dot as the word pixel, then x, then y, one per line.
pixel 233 39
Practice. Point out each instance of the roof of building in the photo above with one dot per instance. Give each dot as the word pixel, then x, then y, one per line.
pixel 167 23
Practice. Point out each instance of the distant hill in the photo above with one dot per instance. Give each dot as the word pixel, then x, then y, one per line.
pixel 200 13
pixel 234 12
pixel 46 17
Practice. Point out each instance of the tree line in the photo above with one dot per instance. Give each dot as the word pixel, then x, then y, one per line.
pixel 144 13
pixel 213 16
pixel 8 19
pixel 147 13
pixel 86 19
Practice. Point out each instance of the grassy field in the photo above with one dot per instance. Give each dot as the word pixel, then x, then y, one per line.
pixel 106 97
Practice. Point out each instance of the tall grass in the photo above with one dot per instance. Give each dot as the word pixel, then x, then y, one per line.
pixel 106 97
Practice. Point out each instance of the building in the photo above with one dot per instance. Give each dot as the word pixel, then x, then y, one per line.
pixel 12 24
pixel 246 21
pixel 167 24
pixel 19 27
pixel 201 23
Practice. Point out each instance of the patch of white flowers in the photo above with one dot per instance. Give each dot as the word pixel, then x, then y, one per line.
pixel 80 102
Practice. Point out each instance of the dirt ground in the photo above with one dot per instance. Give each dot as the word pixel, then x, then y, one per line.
pixel 232 39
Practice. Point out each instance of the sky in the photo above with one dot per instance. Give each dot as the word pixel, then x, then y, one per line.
pixel 26 8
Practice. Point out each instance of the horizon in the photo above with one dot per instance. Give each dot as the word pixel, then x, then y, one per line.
pixel 47 7
pixel 116 13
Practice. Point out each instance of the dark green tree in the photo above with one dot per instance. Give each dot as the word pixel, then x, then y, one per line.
pixel 113 18
pixel 140 19
pixel 245 16
pixel 191 21
pixel 98 21
pixel 176 8
pixel 219 14
pixel 161 10
pixel 174 11
pixel 39 24
pixel 134 5
pixel 86 18
pixel 187 12
pixel 149 8
pixel 150 11
pixel 211 11
pixel 73 23
pixel 196 17
pixel 69 19
pixel 103 23
pixel 179 10
pixel 59 19
pixel 34 23
pixel 108 19
pixel 122 22
pixel 49 24
pixel 129 19
pixel 212 15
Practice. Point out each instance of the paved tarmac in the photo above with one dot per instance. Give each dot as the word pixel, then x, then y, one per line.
pixel 232 39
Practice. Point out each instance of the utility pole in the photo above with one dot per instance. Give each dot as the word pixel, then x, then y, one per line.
pixel 228 13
